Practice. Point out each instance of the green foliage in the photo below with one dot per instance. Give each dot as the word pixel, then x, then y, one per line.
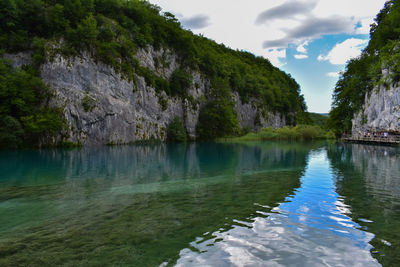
pixel 56 20
pixel 88 103
pixel 218 117
pixel 176 131
pixel 318 119
pixel 112 31
pixel 45 123
pixel 85 35
pixel 363 73
pixel 20 91
pixel 304 118
pixel 309 132
pixel 180 81
pixel 39 52
pixel 11 132
pixel 299 132
pixel 163 102
pixel 23 99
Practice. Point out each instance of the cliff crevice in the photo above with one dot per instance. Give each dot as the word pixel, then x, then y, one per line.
pixel 100 106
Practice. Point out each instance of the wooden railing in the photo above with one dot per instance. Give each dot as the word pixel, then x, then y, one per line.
pixel 391 139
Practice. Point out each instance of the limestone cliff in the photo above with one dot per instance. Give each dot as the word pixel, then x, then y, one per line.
pixel 380 112
pixel 101 107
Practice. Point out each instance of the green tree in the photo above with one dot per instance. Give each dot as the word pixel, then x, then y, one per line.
pixel 43 125
pixel 218 117
pixel 112 30
pixel 56 21
pixel 25 115
pixel 8 14
pixel 87 31
pixel 180 81
pixel 176 131
pixel 11 132
pixel 365 72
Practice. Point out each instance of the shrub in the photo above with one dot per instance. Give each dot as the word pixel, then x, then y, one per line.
pixel 163 101
pixel 88 103
pixel 45 123
pixel 309 132
pixel 11 132
pixel 24 111
pixel 218 117
pixel 287 133
pixel 176 131
pixel 300 132
pixel 180 81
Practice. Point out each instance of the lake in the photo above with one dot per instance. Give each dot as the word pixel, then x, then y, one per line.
pixel 204 204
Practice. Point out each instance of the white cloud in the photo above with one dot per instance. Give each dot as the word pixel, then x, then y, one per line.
pixel 364 26
pixel 333 74
pixel 302 48
pixel 276 56
pixel 233 22
pixel 300 56
pixel 344 51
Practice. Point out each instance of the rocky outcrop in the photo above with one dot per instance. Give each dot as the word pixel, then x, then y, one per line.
pixel 101 107
pixel 380 112
pixel 19 59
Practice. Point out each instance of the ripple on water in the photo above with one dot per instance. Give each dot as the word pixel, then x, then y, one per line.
pixel 311 228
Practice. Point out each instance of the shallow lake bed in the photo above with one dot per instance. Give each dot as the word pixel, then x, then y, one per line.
pixel 269 203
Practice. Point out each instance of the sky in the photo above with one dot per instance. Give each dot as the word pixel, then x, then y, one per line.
pixel 310 39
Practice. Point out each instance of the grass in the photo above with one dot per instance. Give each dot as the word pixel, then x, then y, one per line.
pixel 299 132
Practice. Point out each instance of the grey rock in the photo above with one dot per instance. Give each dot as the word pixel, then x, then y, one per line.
pixel 20 59
pixel 253 115
pixel 125 111
pixel 380 112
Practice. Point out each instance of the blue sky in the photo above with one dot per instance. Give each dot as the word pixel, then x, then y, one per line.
pixel 310 39
pixel 318 77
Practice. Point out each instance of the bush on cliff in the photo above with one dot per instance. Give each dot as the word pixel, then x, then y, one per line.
pixel 176 131
pixel 362 74
pixel 112 31
pixel 218 117
pixel 11 132
pixel 23 107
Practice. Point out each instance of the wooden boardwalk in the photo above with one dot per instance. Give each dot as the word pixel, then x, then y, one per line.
pixel 390 140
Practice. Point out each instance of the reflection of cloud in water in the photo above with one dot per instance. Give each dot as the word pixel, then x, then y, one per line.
pixel 309 229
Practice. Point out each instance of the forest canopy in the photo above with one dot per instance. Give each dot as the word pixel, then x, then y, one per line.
pixel 113 30
pixel 365 72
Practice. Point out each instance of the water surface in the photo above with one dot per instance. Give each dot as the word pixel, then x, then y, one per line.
pixel 255 204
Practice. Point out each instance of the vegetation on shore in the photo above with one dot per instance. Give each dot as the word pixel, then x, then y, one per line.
pixel 25 115
pixel 365 72
pixel 299 132
pixel 176 131
pixel 112 31
pixel 318 119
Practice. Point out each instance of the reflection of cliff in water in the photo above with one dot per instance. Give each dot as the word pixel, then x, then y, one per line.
pixel 369 178
pixel 381 167
pixel 138 204
pixel 145 163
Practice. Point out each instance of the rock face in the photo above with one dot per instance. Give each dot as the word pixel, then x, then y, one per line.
pixel 101 107
pixel 380 112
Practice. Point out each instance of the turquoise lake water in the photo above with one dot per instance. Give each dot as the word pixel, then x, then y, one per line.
pixel 206 204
